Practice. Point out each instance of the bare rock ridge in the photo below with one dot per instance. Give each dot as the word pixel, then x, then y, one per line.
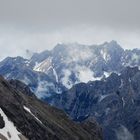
pixel 34 120
pixel 114 102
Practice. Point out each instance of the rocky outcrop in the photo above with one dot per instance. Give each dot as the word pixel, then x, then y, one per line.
pixel 114 102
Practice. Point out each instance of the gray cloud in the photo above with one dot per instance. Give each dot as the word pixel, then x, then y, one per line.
pixel 59 13
pixel 40 24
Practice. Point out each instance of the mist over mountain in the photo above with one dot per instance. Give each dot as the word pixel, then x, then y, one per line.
pixel 57 70
pixel 69 70
pixel 88 82
pixel 113 101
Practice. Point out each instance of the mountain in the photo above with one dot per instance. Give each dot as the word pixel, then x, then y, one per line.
pixel 113 101
pixel 49 73
pixel 86 81
pixel 23 117
pixel 68 63
pixel 19 68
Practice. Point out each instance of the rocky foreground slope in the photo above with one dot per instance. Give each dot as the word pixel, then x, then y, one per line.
pixel 24 117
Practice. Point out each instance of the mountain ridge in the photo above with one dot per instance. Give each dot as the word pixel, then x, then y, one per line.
pixel 113 102
pixel 35 120
pixel 59 69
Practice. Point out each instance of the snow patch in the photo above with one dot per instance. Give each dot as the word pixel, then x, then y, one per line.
pixel 105 55
pixel 28 110
pixel 36 67
pixel 107 74
pixel 44 65
pixel 9 127
pixel 102 97
pixel 55 74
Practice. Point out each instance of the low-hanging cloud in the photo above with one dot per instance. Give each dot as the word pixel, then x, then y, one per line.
pixel 40 25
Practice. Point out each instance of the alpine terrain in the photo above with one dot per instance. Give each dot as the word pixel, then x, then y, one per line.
pixel 24 117
pixel 89 82
pixel 51 72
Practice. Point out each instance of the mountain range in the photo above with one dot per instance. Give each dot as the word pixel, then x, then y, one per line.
pixel 51 72
pixel 114 102
pixel 88 82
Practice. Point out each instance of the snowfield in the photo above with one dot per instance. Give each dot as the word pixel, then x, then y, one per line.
pixel 9 132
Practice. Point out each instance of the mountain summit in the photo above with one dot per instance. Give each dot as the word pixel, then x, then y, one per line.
pixel 51 72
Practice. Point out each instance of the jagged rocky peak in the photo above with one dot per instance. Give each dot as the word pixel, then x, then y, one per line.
pixel 112 48
pixel 24 117
pixel 112 43
pixel 39 57
pixel 58 69
pixel 129 71
pixel 15 60
pixel 113 101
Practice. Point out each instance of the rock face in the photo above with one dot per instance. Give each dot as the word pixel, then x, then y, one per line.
pixel 113 101
pixel 20 69
pixel 32 119
pixel 2 123
pixel 51 72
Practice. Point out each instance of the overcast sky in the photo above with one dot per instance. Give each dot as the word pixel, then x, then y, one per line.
pixel 41 24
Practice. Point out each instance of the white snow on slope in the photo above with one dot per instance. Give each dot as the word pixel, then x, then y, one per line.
pixel 28 110
pixel 105 55
pixel 55 74
pixel 102 97
pixel 44 65
pixel 9 128
pixel 107 74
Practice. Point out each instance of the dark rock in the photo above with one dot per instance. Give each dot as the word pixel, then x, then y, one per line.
pixel 113 102
pixel 41 122
pixel 2 123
